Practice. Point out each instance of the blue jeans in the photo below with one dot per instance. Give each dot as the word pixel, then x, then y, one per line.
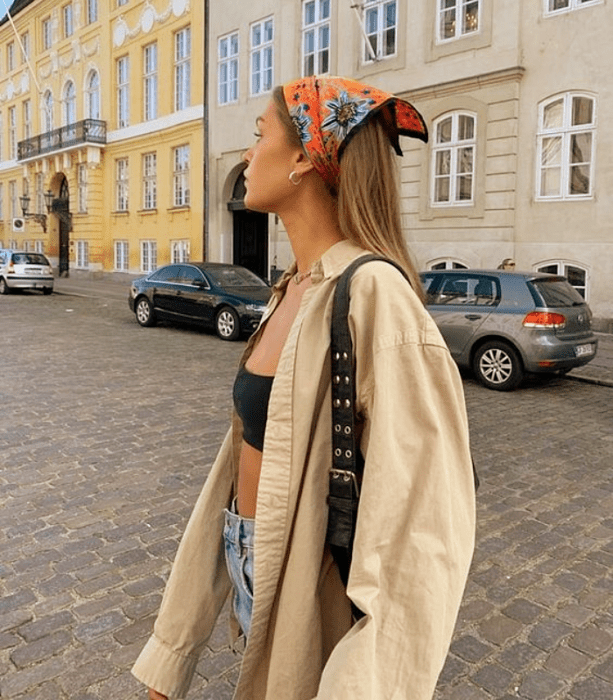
pixel 238 538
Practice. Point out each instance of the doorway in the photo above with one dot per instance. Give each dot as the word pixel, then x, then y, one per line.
pixel 61 208
pixel 250 233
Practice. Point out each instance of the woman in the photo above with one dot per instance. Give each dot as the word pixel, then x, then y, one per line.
pixel 323 162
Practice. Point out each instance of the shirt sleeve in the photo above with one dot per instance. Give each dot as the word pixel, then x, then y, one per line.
pixel 416 519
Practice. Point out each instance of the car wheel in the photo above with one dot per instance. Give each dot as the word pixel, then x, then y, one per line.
pixel 227 324
pixel 145 314
pixel 47 290
pixel 4 288
pixel 498 366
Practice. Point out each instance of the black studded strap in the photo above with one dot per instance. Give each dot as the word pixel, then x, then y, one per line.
pixel 347 460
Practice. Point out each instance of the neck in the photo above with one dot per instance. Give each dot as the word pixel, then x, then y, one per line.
pixel 312 227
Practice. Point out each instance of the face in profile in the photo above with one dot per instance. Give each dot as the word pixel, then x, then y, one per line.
pixel 270 160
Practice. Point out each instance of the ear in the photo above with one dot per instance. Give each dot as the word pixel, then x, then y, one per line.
pixel 302 163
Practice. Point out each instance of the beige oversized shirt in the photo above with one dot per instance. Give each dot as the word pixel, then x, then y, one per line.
pixel 415 532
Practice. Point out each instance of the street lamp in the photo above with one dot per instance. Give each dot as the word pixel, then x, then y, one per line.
pixel 41 219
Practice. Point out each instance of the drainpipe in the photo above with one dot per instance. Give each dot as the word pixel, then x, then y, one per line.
pixel 205 221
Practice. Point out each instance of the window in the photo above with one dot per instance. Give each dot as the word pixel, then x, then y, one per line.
pixel 150 82
pixel 566 147
pixel 13 198
pixel 149 181
pixel 93 95
pixel 121 249
pixel 92 11
pixel 67 20
pixel 121 2
pixel 39 246
pixel 39 181
pixel 454 159
pixel 262 34
pixel 10 56
pixel 227 76
pixel 465 289
pixel 47 33
pixel 180 176
pixel 27 119
pixel 121 184
pixel 577 276
pixel 446 264
pixel 25 46
pixel 82 254
pixel 12 133
pixel 380 23
pixel 180 251
pixel 182 73
pixel 123 92
pixel 457 18
pixel 559 6
pixel 70 104
pixel 82 187
pixel 148 256
pixel 47 116
pixel 315 37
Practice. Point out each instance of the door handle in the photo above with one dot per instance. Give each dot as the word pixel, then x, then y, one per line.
pixel 473 317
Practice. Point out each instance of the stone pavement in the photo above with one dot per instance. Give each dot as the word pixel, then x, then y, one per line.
pixel 107 432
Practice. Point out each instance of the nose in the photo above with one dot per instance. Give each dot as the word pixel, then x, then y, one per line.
pixel 246 158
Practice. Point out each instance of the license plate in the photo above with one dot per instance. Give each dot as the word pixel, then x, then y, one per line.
pixel 587 349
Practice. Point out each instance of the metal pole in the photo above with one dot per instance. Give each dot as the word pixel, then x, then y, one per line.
pixel 206 199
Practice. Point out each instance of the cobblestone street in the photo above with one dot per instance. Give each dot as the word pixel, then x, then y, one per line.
pixel 107 432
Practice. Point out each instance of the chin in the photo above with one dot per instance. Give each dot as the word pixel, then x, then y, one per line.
pixel 254 206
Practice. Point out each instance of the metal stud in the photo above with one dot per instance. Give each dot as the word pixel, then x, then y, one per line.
pixel 347 430
pixel 348 454
pixel 346 380
pixel 347 403
pixel 337 356
pixel 337 403
pixel 345 356
pixel 338 452
pixel 337 379
pixel 337 428
pixel 346 477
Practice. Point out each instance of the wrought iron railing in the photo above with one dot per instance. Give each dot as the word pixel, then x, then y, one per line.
pixel 86 131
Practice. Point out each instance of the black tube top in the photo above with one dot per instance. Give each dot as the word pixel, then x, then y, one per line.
pixel 251 395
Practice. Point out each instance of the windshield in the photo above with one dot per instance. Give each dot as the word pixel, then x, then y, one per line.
pixel 29 259
pixel 557 293
pixel 235 277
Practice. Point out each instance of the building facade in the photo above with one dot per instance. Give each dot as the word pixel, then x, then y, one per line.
pixel 101 136
pixel 516 95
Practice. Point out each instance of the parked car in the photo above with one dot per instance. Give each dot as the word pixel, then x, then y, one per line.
pixel 23 270
pixel 228 298
pixel 503 325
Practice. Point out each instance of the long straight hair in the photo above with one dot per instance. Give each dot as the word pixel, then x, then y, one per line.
pixel 368 196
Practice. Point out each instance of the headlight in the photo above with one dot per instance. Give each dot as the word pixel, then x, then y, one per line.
pixel 259 308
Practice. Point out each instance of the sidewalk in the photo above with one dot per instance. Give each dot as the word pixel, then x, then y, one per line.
pixel 598 371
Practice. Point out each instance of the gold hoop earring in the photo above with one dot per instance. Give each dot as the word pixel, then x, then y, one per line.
pixel 292 178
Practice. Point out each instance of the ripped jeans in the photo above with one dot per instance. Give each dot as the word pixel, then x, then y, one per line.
pixel 238 540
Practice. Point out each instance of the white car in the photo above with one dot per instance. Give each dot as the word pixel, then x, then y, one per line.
pixel 22 270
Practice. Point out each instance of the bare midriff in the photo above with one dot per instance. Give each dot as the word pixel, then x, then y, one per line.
pixel 264 361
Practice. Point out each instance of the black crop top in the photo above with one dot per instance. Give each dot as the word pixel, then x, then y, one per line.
pixel 251 395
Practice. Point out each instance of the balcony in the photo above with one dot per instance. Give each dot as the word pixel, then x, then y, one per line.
pixel 86 131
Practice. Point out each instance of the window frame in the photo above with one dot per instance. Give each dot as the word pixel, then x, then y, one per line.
pixel 460 31
pixel 11 64
pixel 565 132
pixel 265 48
pixel 92 95
pixel 47 33
pixel 182 71
pixel 122 77
pixel 229 61
pixel 380 6
pixel 82 188
pixel 563 266
pixel 122 179
pixel 69 103
pixel 12 132
pixel 181 176
pixel 454 146
pixel 121 255
pixel 180 251
pixel 92 11
pixel 149 180
pixel 47 109
pixel 148 255
pixel 82 254
pixel 150 81
pixel 25 46
pixel 315 27
pixel 572 6
pixel 67 20
pixel 26 112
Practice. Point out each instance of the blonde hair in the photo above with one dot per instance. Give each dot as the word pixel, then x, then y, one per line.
pixel 368 197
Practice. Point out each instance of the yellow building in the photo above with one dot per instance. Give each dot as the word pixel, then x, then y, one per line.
pixel 101 127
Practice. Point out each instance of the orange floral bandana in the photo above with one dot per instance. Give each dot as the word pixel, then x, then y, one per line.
pixel 327 112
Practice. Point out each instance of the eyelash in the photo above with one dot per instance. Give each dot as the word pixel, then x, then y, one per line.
pixel 257 134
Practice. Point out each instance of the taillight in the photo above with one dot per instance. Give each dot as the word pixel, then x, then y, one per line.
pixel 11 268
pixel 544 319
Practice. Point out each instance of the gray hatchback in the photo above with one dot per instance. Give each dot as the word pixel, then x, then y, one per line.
pixel 505 324
pixel 20 269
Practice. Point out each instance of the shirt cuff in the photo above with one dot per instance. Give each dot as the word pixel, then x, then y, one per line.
pixel 164 670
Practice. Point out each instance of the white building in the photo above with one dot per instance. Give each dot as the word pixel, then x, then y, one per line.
pixel 517 96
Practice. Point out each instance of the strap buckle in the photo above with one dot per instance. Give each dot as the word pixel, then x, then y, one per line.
pixel 347 475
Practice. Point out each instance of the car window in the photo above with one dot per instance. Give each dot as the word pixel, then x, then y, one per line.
pixel 471 290
pixel 189 275
pixel 556 293
pixel 29 259
pixel 169 273
pixel 235 277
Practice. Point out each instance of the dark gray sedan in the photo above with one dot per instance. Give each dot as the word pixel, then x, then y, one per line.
pixel 227 298
pixel 505 324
